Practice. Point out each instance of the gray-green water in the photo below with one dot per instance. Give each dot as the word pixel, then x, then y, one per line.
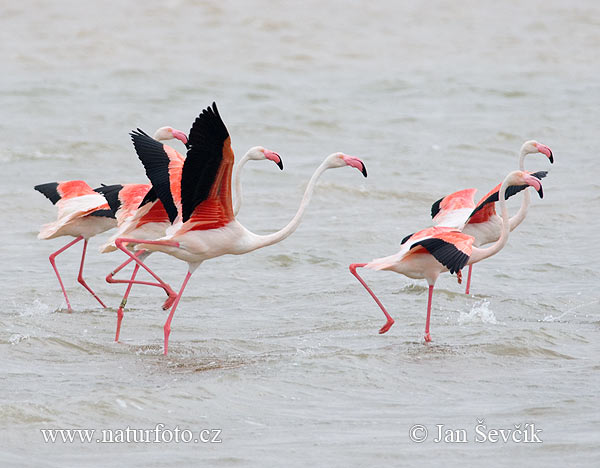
pixel 279 348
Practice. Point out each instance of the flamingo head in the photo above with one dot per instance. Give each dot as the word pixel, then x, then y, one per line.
pixel 524 178
pixel 532 146
pixel 259 153
pixel 169 133
pixel 341 160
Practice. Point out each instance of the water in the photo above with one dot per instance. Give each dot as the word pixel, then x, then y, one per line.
pixel 279 348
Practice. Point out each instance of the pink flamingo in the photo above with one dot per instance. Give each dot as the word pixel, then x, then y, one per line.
pixel 427 253
pixel 206 226
pixel 142 216
pixel 137 208
pixel 458 210
pixel 82 213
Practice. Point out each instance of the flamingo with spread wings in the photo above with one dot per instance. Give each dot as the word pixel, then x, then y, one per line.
pixel 428 253
pixel 458 210
pixel 199 203
pixel 140 214
pixel 82 213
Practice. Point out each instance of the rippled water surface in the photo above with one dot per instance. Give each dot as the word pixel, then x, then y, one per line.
pixel 279 348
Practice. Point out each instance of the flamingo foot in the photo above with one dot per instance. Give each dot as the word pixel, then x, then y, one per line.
pixel 459 276
pixel 386 327
pixel 167 330
pixel 427 338
pixel 169 302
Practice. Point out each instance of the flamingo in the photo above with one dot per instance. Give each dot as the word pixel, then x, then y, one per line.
pixel 205 225
pixel 458 210
pixel 141 215
pixel 428 253
pixel 82 213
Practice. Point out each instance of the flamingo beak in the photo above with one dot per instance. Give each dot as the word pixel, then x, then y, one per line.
pixel 535 183
pixel 547 151
pixel 180 136
pixel 357 163
pixel 271 155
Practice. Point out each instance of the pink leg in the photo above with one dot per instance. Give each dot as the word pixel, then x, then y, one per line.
pixel 119 243
pixel 468 288
pixel 141 255
pixel 167 327
pixel 53 263
pixel 80 276
pixel 427 337
pixel 390 320
pixel 109 277
pixel 124 301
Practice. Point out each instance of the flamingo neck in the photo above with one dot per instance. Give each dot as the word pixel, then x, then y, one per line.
pixel 525 201
pixel 479 254
pixel 259 241
pixel 237 195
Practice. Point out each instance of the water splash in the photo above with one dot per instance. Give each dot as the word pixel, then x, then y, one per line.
pixel 17 338
pixel 36 308
pixel 480 312
pixel 559 318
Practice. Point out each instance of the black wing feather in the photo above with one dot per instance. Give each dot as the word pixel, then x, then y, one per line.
pixel 150 197
pixel 156 162
pixel 49 190
pixel 445 253
pixel 406 238
pixel 111 193
pixel 435 208
pixel 204 157
pixel 102 213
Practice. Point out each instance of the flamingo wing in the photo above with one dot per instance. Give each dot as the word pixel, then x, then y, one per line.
pixel 453 210
pixel 56 191
pixel 451 248
pixel 163 167
pixel 421 242
pixel 124 200
pixel 75 198
pixel 111 193
pixel 486 206
pixel 206 177
pixel 409 240
pixel 50 191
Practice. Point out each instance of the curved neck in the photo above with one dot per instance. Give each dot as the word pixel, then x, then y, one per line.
pixel 522 213
pixel 526 200
pixel 270 239
pixel 237 195
pixel 522 159
pixel 479 254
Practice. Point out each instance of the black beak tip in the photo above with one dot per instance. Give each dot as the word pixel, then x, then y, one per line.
pixel 364 169
pixel 280 164
pixel 551 158
pixel 541 192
